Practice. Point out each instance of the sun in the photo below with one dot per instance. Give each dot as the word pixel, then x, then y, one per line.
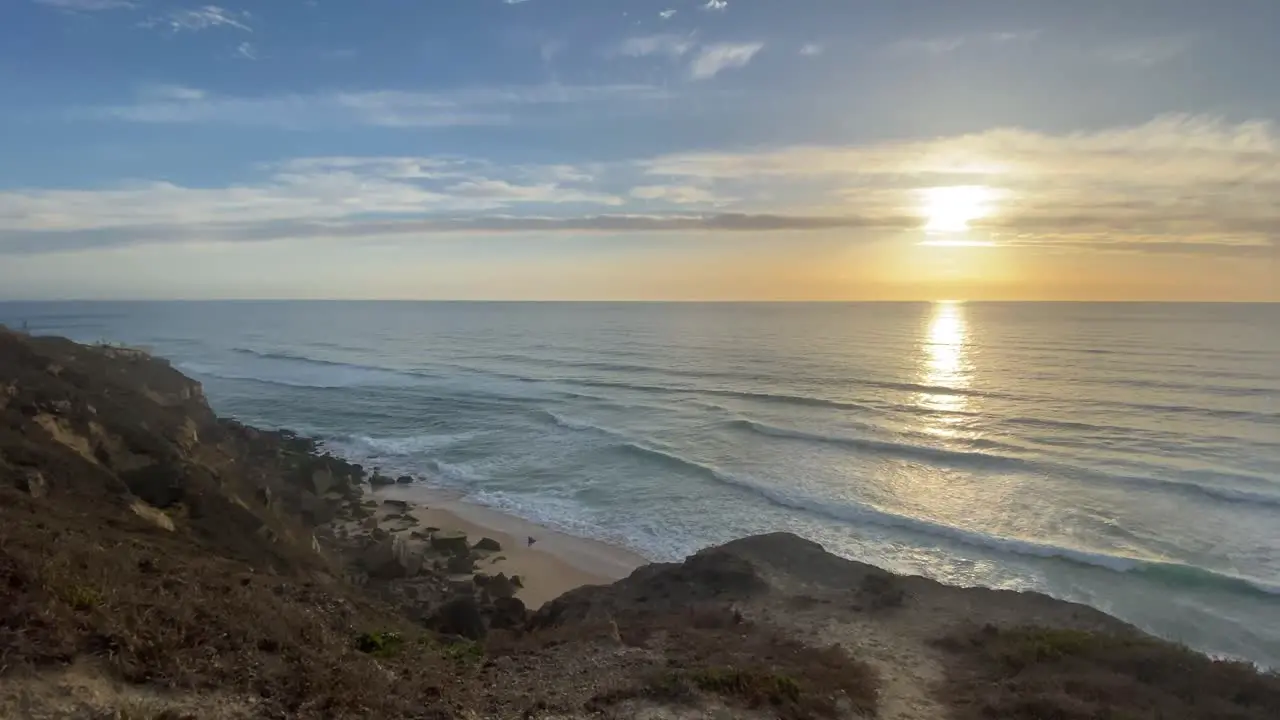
pixel 951 209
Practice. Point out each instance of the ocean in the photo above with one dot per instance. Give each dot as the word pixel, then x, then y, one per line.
pixel 1126 456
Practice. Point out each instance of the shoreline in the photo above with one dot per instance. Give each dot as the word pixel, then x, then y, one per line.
pixel 553 565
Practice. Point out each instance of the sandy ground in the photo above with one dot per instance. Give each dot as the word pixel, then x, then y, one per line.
pixel 554 564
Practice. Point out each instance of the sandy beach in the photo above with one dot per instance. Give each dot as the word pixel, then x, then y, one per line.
pixel 554 564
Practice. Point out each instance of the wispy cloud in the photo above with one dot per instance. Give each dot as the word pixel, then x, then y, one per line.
pixel 812 49
pixel 88 5
pixel 667 14
pixel 942 45
pixel 667 44
pixel 381 108
pixel 1183 184
pixel 712 59
pixel 713 5
pixel 678 194
pixel 201 18
pixel 1178 178
pixel 306 190
pixel 1146 52
pixel 246 51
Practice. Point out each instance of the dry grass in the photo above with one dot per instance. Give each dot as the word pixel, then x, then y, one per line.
pixel 154 609
pixel 715 650
pixel 1035 673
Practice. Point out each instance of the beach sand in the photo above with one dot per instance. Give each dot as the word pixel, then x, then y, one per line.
pixel 553 565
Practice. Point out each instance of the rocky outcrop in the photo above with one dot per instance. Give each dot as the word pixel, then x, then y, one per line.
pixel 449 541
pixel 392 557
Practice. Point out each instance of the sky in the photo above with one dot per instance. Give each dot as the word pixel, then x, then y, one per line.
pixel 640 150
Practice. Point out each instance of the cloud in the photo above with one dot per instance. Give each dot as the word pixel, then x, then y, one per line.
pixel 711 59
pixel 666 44
pixel 713 5
pixel 1182 177
pixel 812 49
pixel 306 190
pixel 1146 52
pixel 1177 184
pixel 205 17
pixel 381 108
pixel 246 51
pixel 678 194
pixel 667 14
pixel 946 44
pixel 88 5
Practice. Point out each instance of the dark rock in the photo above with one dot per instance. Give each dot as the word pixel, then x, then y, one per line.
pixel 402 505
pixel 369 523
pixel 460 564
pixel 418 535
pixel 459 616
pixel 481 579
pixel 500 586
pixel 377 480
pixel 515 580
pixel 404 480
pixel 450 541
pixel 508 614
pixel 379 534
pixel 488 545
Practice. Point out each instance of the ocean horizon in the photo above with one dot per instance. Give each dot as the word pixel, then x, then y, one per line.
pixel 1125 455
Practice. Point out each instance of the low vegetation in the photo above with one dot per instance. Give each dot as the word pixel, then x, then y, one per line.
pixel 1034 673
pixel 716 651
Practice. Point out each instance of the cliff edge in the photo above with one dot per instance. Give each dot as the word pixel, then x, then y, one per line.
pixel 159 562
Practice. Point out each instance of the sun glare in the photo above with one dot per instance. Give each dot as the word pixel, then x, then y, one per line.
pixel 951 209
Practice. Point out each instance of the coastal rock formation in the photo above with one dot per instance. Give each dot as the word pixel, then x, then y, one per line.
pixel 451 542
pixel 157 561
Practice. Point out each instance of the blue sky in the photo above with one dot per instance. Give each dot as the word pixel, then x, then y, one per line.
pixel 637 149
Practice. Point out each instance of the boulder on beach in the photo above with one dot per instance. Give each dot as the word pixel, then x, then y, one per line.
pixel 377 480
pixel 402 505
pixel 390 558
pixel 500 586
pixel 488 545
pixel 370 523
pixel 450 541
pixel 404 480
pixel 460 564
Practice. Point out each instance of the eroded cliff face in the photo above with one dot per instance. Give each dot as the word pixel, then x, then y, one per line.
pixel 118 428
pixel 156 561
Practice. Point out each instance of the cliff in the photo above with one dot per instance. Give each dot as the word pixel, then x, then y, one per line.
pixel 156 561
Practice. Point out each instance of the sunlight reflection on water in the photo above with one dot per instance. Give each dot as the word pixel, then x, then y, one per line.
pixel 945 363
